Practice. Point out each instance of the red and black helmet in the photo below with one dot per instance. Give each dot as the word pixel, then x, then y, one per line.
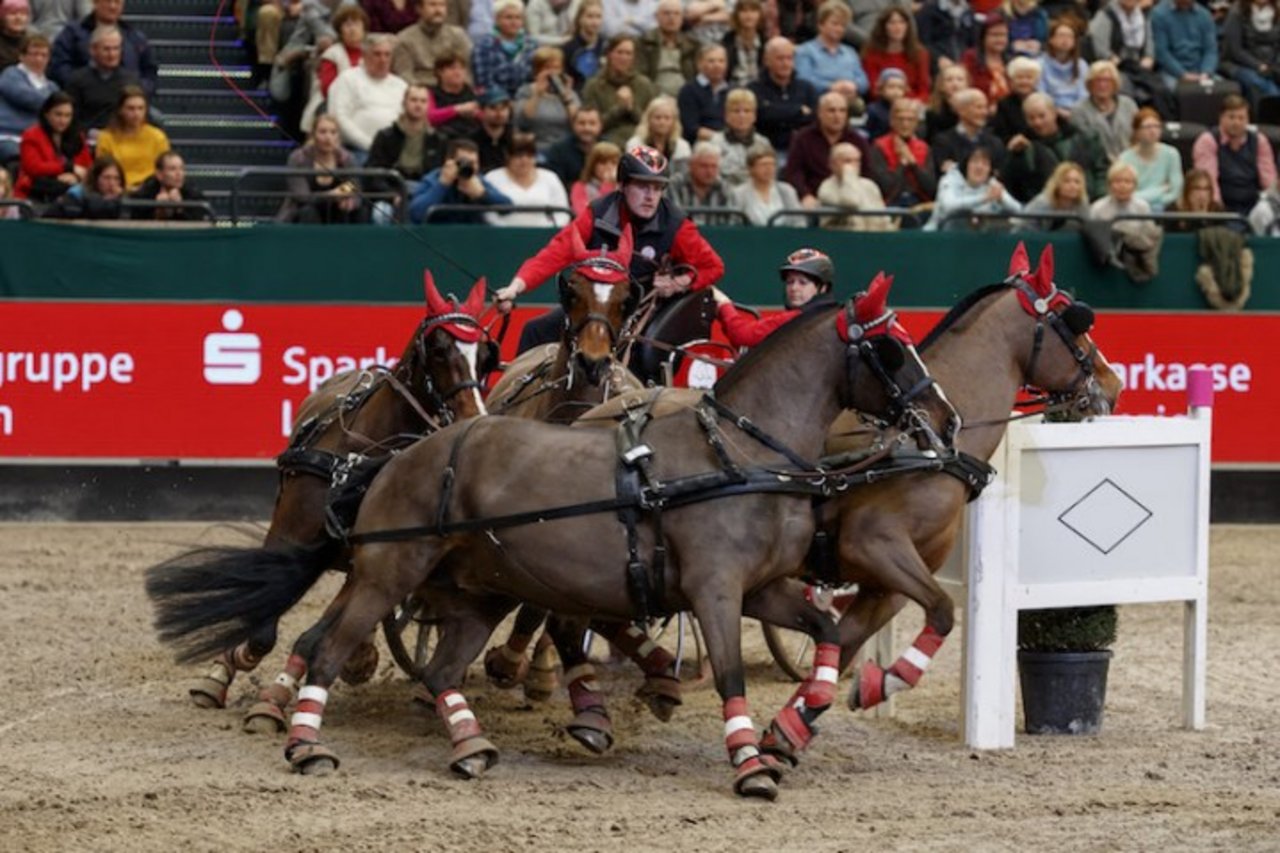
pixel 812 263
pixel 642 163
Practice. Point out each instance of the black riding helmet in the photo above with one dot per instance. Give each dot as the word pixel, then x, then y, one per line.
pixel 812 263
pixel 642 163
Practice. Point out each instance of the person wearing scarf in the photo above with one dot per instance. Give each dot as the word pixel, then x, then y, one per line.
pixel 502 60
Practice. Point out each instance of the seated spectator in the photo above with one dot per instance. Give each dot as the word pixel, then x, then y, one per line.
pixel 1053 140
pixel 1196 197
pixel 549 22
pixel 865 15
pixel 567 158
pixel 826 61
pixel 666 55
pixel 971 187
pixel 893 43
pixel 738 137
pixel 545 107
pixel 763 194
pixel 1136 241
pixel 458 181
pixel 784 102
pixel 1062 71
pixel 71 48
pixel 493 137
pixel 49 17
pixel 900 162
pixel 98 197
pixel 168 184
pixel 701 100
pixel 385 16
pixel 846 188
pixel 584 51
pixel 454 109
pixel 96 88
pixel 701 186
pixel 367 98
pixel 8 211
pixel 744 43
pixel 659 128
pixel 1063 193
pixel 322 198
pixel 53 154
pixel 1186 42
pixel 939 117
pixel 1028 28
pixel 418 47
pixel 619 92
pixel 351 24
pixel 986 62
pixel 809 160
pixel 629 17
pixel 890 86
pixel 133 141
pixel 503 59
pixel 1157 164
pixel 309 33
pixel 23 89
pixel 708 20
pixel 15 19
pixel 1251 47
pixel 971 130
pixel 599 176
pixel 1106 113
pixel 525 184
pixel 1239 160
pixel 408 145
pixel 1120 33
pixel 1024 78
pixel 947 29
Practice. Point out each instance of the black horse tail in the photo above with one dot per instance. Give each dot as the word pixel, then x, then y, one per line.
pixel 209 600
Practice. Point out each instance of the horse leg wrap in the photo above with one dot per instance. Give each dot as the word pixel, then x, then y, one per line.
pixel 916 659
pixel 304 725
pixel 541 681
pixel 652 658
pixel 278 695
pixel 211 691
pixel 740 740
pixel 793 728
pixel 590 725
pixel 472 752
pixel 875 684
pixel 361 666
pixel 506 667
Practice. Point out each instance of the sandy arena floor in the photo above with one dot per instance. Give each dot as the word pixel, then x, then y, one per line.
pixel 100 748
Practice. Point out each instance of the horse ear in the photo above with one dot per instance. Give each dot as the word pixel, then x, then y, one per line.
pixel 1019 263
pixel 475 299
pixel 436 304
pixel 576 243
pixel 872 304
pixel 626 246
pixel 1043 280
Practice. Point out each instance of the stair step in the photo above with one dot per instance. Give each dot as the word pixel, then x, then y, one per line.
pixel 248 153
pixel 240 127
pixel 196 52
pixel 178 100
pixel 186 27
pixel 176 7
pixel 202 76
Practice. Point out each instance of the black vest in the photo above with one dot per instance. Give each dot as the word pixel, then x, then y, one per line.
pixel 652 239
pixel 1238 174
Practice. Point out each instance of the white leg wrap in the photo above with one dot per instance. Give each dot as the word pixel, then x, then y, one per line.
pixel 917 658
pixel 826 674
pixel 314 693
pixel 311 721
pixel 737 724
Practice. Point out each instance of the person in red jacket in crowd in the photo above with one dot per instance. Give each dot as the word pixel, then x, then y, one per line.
pixel 807 277
pixel 670 255
pixel 53 154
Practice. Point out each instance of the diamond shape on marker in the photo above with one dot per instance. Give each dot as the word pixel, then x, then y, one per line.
pixel 1105 516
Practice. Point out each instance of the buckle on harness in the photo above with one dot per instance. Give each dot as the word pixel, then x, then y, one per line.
pixel 632 455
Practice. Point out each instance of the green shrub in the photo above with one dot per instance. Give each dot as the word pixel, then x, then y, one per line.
pixel 1067 629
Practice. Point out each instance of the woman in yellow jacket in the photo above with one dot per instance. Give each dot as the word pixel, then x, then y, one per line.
pixel 131 139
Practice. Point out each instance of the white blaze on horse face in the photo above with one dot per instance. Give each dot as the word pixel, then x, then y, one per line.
pixel 469 352
pixel 937 387
pixel 603 292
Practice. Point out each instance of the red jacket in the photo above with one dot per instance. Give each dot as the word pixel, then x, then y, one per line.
pixel 919 84
pixel 39 159
pixel 743 330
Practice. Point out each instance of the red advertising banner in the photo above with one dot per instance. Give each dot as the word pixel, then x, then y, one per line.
pixel 216 381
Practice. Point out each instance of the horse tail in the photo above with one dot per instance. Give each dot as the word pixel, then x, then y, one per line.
pixel 211 599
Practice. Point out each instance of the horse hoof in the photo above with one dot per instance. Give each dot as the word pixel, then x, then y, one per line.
pixel 470 768
pixel 540 683
pixel 264 718
pixel 662 695
pixel 312 759
pixel 318 766
pixel 209 694
pixel 504 672
pixel 473 757
pixel 593 739
pixel 760 785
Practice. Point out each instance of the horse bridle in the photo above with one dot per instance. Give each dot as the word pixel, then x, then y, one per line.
pixel 1079 392
pixel 439 400
pixel 573 330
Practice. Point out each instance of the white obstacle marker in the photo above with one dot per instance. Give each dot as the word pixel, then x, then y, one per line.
pixel 1111 511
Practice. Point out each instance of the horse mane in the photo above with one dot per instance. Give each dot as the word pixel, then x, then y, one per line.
pixel 774 341
pixel 957 311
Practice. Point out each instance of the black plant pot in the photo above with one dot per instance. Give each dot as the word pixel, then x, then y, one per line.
pixel 1063 692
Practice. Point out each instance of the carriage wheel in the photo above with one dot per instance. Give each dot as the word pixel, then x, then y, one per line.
pixel 792 650
pixel 410 631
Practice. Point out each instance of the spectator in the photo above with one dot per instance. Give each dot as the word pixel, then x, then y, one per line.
pixel 954 145
pixel 1121 32
pixel 1240 161
pixel 1186 42
pixel 939 117
pixel 169 183
pixel 702 98
pixel 947 29
pixel 494 136
pixel 352 25
pixel 385 16
pixel 310 33
pixel 701 186
pixel 599 176
pixel 1028 28
pixel 784 102
pixel 71 48
pixel 408 145
pixel 1063 193
pixel 763 194
pixel 985 62
pixel 893 43
pixel 550 22
pixel 322 197
pixel 846 188
pixel 809 160
pixel 567 158
pixel 15 17
pixel 826 61
pixel 502 59
pixel 23 89
pixel 659 129
pixel 1251 47
pixel 665 55
pixel 418 47
pixel 900 162
pixel 53 154
pixel 629 17
pixel 708 21
pixel 890 86
pixel 744 43
pixel 971 187
pixel 619 92
pixel 865 15
pixel 51 16
pixel 134 142
pixel 1106 113
pixel 367 98
pixel 99 197
pixel 1024 78
pixel 1062 70
pixel 1136 242
pixel 458 181
pixel 738 137
pixel 525 184
pixel 1031 159
pixel 1196 197
pixel 454 109
pixel 584 52
pixel 96 88
pixel 545 107
pixel 1157 164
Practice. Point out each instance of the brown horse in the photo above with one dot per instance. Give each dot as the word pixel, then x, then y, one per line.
pixel 447 494
pixel 369 413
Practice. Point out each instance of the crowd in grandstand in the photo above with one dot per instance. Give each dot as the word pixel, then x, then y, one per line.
pixel 874 114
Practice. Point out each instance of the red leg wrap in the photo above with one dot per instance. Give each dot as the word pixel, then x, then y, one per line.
pixel 911 666
pixel 457 715
pixel 584 690
pixel 282 691
pixel 791 726
pixel 870 689
pixel 819 690
pixel 304 725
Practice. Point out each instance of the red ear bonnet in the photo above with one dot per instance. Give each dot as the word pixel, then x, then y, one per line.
pixel 1036 291
pixel 1019 263
pixel 438 306
pixel 870 314
pixel 475 299
pixel 601 265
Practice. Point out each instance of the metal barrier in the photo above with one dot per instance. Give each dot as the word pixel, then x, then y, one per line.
pixel 548 209
pixel 1066 216
pixel 130 205
pixel 1009 216
pixel 812 213
pixel 396 196
pixel 1224 217
pixel 25 209
pixel 711 210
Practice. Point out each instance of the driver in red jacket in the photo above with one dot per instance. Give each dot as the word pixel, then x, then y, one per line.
pixel 807 276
